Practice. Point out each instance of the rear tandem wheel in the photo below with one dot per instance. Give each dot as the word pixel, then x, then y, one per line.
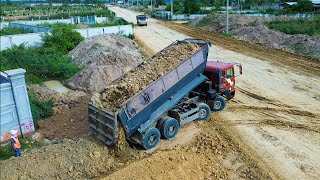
pixel 169 128
pixel 151 138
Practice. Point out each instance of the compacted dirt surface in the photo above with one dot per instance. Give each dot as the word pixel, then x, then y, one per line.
pixel 274 118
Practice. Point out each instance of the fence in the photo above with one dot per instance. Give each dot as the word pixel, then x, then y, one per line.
pixel 166 15
pixel 35 22
pixel 32 28
pixel 15 107
pixel 34 39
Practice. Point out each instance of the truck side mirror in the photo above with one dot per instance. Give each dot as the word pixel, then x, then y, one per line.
pixel 239 68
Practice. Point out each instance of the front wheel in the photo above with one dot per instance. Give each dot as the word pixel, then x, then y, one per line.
pixel 151 138
pixel 218 104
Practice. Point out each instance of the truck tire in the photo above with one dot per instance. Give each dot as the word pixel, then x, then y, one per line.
pixel 218 104
pixel 204 111
pixel 169 128
pixel 151 138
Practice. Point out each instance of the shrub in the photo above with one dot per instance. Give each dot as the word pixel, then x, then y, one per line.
pixel 41 64
pixel 296 26
pixel 62 39
pixel 58 25
pixel 13 30
pixel 40 109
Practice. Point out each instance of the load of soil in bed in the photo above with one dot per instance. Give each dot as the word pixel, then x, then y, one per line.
pixel 131 83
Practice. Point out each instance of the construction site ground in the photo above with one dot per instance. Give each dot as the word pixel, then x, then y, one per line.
pixel 270 130
pixel 275 117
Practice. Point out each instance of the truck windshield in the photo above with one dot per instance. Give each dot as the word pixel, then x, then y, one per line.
pixel 142 18
pixel 229 73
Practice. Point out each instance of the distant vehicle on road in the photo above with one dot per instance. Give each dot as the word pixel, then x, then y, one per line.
pixel 142 20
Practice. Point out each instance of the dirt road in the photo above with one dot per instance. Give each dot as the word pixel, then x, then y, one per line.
pixel 274 119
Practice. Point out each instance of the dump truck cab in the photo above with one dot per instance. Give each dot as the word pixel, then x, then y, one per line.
pixel 142 20
pixel 222 75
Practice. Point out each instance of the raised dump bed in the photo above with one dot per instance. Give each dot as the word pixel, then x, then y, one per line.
pixel 155 108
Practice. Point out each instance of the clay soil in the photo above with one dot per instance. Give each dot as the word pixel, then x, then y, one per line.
pixel 121 90
pixel 70 118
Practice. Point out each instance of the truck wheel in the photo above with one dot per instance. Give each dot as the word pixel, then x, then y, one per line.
pixel 151 138
pixel 219 104
pixel 204 111
pixel 169 128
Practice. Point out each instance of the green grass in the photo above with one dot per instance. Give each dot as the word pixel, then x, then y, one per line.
pixel 203 22
pixel 58 25
pixel 13 30
pixel 296 26
pixel 40 109
pixel 113 23
pixel 27 144
pixel 227 34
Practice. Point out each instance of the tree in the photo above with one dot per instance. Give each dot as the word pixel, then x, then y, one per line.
pixel 8 2
pixel 160 2
pixel 191 7
pixel 177 7
pixel 304 6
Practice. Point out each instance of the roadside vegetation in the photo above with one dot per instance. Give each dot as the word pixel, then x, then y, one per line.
pixel 297 26
pixel 115 22
pixel 58 25
pixel 40 109
pixel 47 62
pixel 13 30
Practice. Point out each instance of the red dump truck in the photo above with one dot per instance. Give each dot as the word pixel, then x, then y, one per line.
pixel 190 91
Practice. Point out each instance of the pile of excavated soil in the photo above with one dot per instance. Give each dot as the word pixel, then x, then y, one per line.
pixel 217 22
pixel 67 99
pixel 251 29
pixel 133 82
pixel 299 44
pixel 70 117
pixel 70 159
pixel 105 58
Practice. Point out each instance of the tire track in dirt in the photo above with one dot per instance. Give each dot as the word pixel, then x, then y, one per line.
pixel 306 65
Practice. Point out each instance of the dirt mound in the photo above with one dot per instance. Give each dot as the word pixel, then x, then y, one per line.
pixel 106 58
pixel 75 159
pixel 70 98
pixel 217 22
pixel 300 44
pixel 130 84
pixel 70 118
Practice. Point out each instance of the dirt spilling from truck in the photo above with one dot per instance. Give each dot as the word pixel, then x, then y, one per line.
pixel 104 58
pixel 133 82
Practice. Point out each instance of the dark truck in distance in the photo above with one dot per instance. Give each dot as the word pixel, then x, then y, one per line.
pixel 190 91
pixel 142 20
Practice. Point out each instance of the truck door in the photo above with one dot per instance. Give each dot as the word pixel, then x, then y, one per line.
pixel 229 79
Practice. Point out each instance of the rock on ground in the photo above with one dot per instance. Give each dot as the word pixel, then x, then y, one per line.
pixel 105 58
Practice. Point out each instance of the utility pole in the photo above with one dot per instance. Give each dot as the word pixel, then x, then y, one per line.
pixel 171 9
pixel 227 21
